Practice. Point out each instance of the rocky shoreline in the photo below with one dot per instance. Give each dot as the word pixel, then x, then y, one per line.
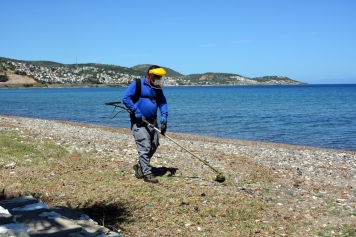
pixel 305 177
pixel 324 166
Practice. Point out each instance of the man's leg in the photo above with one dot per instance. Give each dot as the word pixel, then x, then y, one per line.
pixel 143 142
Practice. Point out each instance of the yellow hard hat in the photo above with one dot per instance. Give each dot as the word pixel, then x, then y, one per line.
pixel 158 71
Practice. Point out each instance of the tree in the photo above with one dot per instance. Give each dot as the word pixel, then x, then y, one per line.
pixel 4 78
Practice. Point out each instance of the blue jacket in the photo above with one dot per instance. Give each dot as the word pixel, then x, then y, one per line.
pixel 147 103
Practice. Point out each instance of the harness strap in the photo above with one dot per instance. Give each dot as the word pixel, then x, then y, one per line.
pixel 138 93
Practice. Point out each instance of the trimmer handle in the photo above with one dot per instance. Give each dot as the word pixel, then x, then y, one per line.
pixel 113 103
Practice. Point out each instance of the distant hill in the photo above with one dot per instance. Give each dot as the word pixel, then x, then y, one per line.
pixel 36 63
pixel 236 79
pixel 108 67
pixel 144 68
pixel 105 73
pixel 138 70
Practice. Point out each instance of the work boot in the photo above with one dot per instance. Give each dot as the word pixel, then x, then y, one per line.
pixel 138 171
pixel 150 178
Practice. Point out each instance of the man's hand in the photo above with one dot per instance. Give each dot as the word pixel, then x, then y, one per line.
pixel 163 128
pixel 138 116
pixel 164 119
pixel 163 124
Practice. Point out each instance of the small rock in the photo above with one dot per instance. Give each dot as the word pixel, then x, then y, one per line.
pixel 184 202
pixel 10 165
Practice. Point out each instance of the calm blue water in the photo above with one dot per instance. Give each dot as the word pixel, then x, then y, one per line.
pixel 311 115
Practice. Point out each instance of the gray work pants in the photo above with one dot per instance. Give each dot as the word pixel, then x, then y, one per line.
pixel 147 142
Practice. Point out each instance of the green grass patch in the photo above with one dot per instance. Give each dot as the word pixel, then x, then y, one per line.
pixel 344 231
pixel 111 195
pixel 26 151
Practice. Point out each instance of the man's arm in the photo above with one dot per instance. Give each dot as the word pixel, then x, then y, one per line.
pixel 162 104
pixel 128 96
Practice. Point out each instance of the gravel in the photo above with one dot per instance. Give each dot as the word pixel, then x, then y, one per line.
pixel 305 176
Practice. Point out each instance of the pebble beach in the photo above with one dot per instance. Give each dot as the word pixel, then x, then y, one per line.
pixel 307 177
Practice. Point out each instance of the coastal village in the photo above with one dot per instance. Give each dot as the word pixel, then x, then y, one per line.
pixel 75 74
pixel 116 75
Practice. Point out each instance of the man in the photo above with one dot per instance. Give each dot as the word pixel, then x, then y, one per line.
pixel 150 98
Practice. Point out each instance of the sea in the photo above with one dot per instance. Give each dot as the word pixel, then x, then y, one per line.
pixel 321 116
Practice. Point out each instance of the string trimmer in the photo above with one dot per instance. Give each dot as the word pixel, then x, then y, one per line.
pixel 219 178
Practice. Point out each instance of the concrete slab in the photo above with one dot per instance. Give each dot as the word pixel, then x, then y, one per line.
pixel 30 207
pixel 13 230
pixel 18 200
pixel 4 211
pixel 6 219
pixel 67 212
pixel 13 204
pixel 49 227
pixel 39 220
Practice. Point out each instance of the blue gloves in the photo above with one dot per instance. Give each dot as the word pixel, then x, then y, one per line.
pixel 164 119
pixel 138 116
pixel 163 124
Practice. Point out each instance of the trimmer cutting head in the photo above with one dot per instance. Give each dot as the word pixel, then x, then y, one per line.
pixel 220 178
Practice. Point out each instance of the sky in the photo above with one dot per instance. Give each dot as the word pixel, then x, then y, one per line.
pixel 312 41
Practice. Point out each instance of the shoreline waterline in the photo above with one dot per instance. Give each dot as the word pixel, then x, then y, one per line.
pixel 313 116
pixel 324 166
pixel 187 136
pixel 307 115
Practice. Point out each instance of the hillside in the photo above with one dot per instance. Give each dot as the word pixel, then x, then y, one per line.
pixel 210 78
pixel 144 68
pixel 138 70
pixel 46 72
